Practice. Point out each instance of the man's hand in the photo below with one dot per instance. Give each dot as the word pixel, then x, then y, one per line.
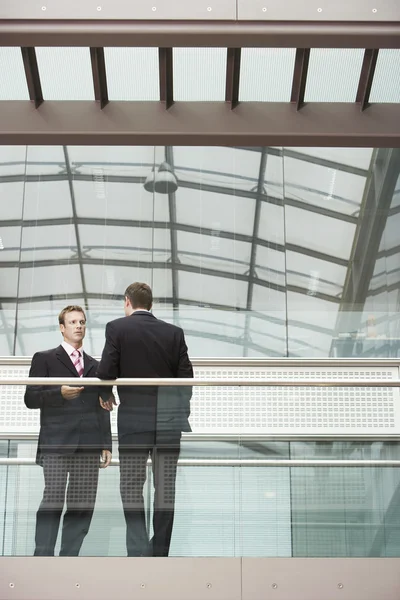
pixel 69 392
pixel 105 459
pixel 108 404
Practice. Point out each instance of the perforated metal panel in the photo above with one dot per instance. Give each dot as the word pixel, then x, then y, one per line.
pixel 231 409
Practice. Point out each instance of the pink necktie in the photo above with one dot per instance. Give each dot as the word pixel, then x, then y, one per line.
pixel 76 359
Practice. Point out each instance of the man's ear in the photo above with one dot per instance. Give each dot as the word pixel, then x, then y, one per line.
pixel 62 329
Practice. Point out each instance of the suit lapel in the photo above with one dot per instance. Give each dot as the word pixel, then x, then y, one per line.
pixel 65 359
pixel 88 364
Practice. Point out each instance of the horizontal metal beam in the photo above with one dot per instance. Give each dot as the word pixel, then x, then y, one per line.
pixel 245 462
pixel 260 363
pixel 222 34
pixel 199 123
pixel 185 382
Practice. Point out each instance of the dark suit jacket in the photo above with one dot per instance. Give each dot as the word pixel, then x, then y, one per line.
pixel 142 346
pixel 66 425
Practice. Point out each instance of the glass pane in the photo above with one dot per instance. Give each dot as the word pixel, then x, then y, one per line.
pixel 344 69
pixel 266 74
pixel 132 73
pixel 65 73
pixel 244 231
pixel 386 82
pixel 199 73
pixel 13 85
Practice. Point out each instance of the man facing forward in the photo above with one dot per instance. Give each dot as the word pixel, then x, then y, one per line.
pixel 74 433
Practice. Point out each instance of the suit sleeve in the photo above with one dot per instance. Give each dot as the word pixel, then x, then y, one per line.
pixel 40 396
pixel 109 364
pixel 105 426
pixel 184 369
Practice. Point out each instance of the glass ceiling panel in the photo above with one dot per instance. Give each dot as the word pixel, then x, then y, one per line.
pixel 359 158
pixel 266 74
pixel 53 242
pixel 386 82
pixel 206 289
pixel 333 74
pixel 45 160
pixel 132 73
pixel 312 311
pixel 11 197
pixel 8 282
pixel 7 322
pixel 213 252
pixel 13 81
pixel 318 232
pixel 208 319
pixel 270 265
pixel 47 200
pixel 271 226
pixel 273 179
pixel 161 282
pixel 199 74
pixel 215 211
pixel 228 167
pixel 313 274
pixel 269 301
pixel 392 229
pixel 111 279
pixel 322 186
pixel 10 238
pixel 65 73
pixel 114 201
pixel 12 160
pixel 43 281
pixel 125 243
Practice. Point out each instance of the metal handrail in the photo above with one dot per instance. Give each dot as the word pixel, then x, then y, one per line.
pixel 258 362
pixel 246 462
pixel 182 382
pixel 244 437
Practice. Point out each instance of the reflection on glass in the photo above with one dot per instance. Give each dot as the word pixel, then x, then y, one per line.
pixel 254 252
pixel 236 510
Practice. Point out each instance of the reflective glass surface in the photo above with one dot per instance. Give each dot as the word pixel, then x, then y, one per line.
pixel 257 252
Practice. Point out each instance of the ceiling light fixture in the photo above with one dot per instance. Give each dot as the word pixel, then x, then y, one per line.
pixel 163 181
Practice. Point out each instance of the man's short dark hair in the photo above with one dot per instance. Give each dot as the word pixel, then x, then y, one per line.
pixel 139 295
pixel 68 309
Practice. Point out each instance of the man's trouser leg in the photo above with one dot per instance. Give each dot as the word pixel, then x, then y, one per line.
pixel 81 498
pixel 55 472
pixel 164 457
pixel 133 467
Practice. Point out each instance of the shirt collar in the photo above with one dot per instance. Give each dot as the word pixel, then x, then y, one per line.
pixel 140 310
pixel 70 349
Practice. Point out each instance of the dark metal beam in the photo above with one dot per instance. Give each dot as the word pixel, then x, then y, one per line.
pixel 99 76
pixel 232 76
pixel 32 75
pixel 254 245
pixel 165 61
pixel 169 157
pixel 199 123
pixel 218 34
pixel 380 185
pixel 366 78
pixel 300 77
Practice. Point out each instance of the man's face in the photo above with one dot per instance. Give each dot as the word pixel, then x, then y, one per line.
pixel 74 328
